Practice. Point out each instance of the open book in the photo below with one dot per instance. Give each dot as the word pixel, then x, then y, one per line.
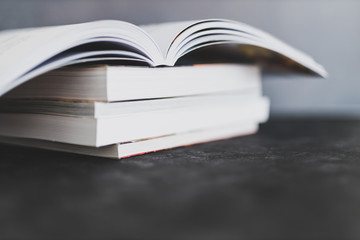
pixel 124 83
pixel 27 53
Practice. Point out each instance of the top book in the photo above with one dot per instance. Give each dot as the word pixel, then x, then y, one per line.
pixel 27 53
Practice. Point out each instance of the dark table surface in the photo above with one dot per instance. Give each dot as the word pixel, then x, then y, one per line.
pixel 292 180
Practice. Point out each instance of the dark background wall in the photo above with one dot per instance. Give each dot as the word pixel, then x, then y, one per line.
pixel 329 30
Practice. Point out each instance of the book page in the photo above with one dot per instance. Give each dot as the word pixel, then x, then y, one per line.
pixel 20 50
pixel 23 50
pixel 165 33
pixel 180 38
pixel 81 57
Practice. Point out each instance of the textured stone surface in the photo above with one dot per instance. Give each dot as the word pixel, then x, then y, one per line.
pixel 293 180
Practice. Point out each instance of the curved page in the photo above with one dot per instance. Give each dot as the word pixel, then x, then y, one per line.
pixel 180 38
pixel 26 53
pixel 24 50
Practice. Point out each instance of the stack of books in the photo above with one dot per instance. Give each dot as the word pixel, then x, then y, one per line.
pixel 112 89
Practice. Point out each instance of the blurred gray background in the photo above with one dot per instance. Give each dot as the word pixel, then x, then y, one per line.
pixel 329 30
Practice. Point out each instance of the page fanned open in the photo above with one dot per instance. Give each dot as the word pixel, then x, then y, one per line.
pixel 27 53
